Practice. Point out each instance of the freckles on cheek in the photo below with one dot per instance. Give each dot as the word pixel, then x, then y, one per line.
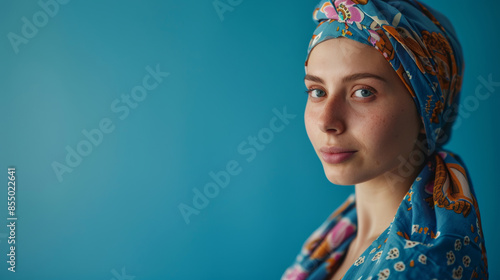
pixel 379 133
pixel 392 128
pixel 373 125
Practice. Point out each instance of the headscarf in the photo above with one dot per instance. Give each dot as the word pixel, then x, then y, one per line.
pixel 436 232
pixel 418 42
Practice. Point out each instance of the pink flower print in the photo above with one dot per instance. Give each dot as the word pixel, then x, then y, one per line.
pixel 346 11
pixel 340 232
pixel 443 155
pixel 429 188
pixel 296 273
pixel 329 11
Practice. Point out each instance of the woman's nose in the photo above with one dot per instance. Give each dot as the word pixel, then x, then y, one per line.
pixel 332 116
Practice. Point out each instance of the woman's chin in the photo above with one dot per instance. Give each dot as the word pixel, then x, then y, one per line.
pixel 341 179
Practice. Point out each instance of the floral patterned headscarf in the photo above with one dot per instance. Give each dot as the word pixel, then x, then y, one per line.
pixel 436 232
pixel 418 42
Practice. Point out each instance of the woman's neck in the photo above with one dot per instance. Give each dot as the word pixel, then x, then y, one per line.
pixel 377 202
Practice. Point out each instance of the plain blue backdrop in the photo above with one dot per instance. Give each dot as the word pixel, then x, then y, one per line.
pixel 116 214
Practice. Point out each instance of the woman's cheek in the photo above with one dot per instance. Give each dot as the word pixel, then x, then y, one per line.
pixel 375 126
pixel 309 124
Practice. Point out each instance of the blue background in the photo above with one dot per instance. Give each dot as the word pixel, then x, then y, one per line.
pixel 118 209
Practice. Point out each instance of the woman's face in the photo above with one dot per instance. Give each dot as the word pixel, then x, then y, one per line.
pixel 360 118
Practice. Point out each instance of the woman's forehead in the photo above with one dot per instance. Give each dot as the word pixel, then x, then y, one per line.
pixel 344 56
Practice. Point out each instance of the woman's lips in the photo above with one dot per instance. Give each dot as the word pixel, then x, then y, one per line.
pixel 336 155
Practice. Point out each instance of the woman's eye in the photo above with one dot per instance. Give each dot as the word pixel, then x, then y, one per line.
pixel 316 93
pixel 363 93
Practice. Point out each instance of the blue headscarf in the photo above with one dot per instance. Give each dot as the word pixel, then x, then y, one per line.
pixel 436 232
pixel 418 42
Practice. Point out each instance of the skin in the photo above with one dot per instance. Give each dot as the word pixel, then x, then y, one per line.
pixel 357 102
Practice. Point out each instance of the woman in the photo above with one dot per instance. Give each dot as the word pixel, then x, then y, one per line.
pixel 383 80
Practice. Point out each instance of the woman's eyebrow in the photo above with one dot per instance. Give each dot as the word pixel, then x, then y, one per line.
pixel 346 79
pixel 359 76
pixel 313 78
